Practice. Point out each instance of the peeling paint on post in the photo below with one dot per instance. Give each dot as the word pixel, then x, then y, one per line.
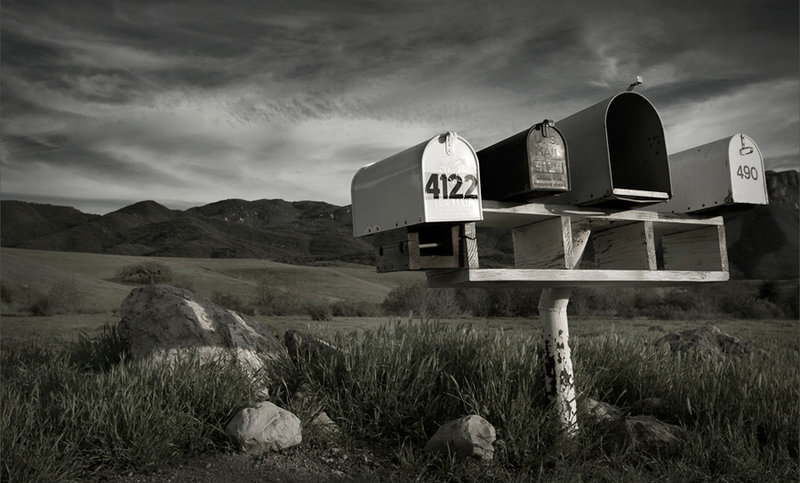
pixel 559 377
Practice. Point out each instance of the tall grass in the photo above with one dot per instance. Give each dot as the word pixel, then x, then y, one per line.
pixel 84 412
pixel 75 413
pixel 400 382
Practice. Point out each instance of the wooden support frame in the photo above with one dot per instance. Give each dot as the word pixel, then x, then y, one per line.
pixel 623 248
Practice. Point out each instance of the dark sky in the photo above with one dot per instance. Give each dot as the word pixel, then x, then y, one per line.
pixel 105 103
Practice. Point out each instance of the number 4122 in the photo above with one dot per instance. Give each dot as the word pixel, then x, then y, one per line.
pixel 451 185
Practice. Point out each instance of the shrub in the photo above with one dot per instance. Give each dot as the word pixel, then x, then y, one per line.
pixel 233 302
pixel 319 312
pixel 145 272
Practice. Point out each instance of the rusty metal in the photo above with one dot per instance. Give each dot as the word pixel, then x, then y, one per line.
pixel 527 165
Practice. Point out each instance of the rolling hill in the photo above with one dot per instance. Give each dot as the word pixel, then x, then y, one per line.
pixel 763 241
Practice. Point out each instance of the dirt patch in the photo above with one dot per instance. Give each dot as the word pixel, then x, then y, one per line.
pixel 300 464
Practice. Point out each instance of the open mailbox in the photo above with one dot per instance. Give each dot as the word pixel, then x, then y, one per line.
pixel 528 165
pixel 717 177
pixel 617 154
pixel 419 206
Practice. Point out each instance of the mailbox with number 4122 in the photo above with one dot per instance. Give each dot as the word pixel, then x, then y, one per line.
pixel 717 177
pixel 416 204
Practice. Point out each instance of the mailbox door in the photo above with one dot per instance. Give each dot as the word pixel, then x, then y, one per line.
pixel 547 159
pixel 450 180
pixel 748 180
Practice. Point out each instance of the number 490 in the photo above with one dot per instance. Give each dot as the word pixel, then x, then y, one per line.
pixel 747 172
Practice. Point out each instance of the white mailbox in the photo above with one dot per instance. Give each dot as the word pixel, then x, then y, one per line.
pixel 716 177
pixel 436 181
pixel 419 206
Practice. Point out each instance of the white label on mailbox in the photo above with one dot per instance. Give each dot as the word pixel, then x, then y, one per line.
pixel 748 183
pixel 450 183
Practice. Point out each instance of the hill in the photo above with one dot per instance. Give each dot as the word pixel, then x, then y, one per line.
pixel 762 241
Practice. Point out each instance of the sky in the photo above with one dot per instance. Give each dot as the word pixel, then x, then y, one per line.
pixel 106 103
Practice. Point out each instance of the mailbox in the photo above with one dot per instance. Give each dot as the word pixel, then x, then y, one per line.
pixel 528 165
pixel 617 154
pixel 415 205
pixel 717 177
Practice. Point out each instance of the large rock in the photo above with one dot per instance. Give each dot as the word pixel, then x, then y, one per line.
pixel 470 436
pixel 705 341
pixel 647 435
pixel 265 427
pixel 160 322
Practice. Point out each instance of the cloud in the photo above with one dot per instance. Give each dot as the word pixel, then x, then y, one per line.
pixel 201 101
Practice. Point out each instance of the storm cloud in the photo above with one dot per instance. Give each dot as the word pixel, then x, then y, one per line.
pixel 106 103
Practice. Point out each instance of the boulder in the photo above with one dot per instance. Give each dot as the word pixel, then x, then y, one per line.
pixel 470 436
pixel 647 435
pixel 265 427
pixel 300 345
pixel 162 323
pixel 705 341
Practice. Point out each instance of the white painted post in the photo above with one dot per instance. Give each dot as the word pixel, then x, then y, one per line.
pixel 559 377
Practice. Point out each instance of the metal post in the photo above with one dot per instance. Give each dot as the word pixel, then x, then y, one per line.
pixel 559 377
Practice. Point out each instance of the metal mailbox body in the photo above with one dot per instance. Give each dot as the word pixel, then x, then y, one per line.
pixel 525 166
pixel 717 176
pixel 437 181
pixel 617 154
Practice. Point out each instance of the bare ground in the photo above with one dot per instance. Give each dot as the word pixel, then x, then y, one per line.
pixel 300 464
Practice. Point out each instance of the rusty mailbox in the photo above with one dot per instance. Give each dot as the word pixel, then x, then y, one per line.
pixel 617 154
pixel 418 205
pixel 716 177
pixel 525 166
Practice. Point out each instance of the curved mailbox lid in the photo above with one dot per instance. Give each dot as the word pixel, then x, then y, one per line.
pixel 434 181
pixel 746 164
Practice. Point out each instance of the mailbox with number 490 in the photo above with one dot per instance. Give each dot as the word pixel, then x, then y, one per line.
pixel 716 177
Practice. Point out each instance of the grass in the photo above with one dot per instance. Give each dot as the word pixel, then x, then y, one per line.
pixel 78 410
pixel 95 277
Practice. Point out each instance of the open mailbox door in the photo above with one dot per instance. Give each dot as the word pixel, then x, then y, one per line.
pixel 617 154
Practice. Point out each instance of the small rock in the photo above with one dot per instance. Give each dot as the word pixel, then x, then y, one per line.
pixel 324 424
pixel 470 436
pixel 602 412
pixel 264 427
pixel 300 345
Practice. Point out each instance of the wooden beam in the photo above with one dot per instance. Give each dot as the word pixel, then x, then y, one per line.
pixel 536 278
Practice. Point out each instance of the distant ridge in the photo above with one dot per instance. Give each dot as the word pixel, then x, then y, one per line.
pixel 762 241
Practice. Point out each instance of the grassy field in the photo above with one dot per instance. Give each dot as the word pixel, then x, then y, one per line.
pixel 94 277
pixel 69 409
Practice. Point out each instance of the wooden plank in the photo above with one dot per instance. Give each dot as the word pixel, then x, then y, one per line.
pixel 543 244
pixel 695 249
pixel 627 246
pixel 470 243
pixel 533 278
pixel 505 214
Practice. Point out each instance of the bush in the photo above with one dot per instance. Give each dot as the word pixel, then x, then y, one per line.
pixel 233 302
pixel 145 272
pixel 319 312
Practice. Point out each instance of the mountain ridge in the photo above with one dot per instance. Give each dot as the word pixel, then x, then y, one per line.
pixel 762 240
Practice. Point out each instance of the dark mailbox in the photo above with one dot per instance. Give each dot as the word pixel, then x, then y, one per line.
pixel 528 165
pixel 617 154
